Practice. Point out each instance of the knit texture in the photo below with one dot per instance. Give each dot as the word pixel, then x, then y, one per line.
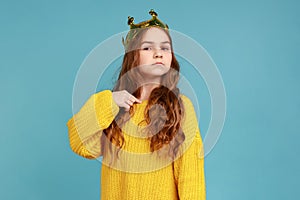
pixel 137 175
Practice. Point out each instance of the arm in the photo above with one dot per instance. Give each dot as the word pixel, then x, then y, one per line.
pixel 189 168
pixel 85 127
pixel 189 173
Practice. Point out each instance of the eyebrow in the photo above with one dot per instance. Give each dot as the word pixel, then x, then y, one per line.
pixel 165 42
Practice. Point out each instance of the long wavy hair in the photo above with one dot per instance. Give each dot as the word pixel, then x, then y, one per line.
pixel 163 121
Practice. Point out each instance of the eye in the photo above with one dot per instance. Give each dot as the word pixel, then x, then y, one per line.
pixel 146 48
pixel 165 48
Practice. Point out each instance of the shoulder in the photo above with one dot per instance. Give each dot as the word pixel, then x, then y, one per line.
pixel 189 123
pixel 103 93
pixel 189 118
pixel 187 103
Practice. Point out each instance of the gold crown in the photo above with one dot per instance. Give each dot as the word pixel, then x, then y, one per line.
pixel 133 27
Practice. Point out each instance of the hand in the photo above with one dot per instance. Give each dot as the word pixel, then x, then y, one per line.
pixel 124 99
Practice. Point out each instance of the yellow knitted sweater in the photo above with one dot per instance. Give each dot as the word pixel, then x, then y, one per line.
pixel 138 178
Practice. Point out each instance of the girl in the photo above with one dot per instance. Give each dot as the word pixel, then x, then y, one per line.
pixel 145 130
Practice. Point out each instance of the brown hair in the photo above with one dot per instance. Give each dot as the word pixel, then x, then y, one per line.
pixel 163 125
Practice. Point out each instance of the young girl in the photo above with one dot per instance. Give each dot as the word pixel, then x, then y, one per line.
pixel 145 130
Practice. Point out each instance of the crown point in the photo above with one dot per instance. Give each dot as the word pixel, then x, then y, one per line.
pixel 130 20
pixel 153 13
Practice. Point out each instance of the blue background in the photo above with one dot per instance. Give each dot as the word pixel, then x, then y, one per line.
pixel 255 45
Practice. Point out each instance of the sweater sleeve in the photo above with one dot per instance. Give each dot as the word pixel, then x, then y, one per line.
pixel 189 168
pixel 85 127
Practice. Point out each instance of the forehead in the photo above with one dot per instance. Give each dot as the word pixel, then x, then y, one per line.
pixel 155 35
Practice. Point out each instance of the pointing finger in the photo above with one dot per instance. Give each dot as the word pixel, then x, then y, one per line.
pixel 136 100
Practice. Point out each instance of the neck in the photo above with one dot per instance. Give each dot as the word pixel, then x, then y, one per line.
pixel 147 89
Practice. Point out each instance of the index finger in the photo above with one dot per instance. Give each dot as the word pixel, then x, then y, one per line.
pixel 133 98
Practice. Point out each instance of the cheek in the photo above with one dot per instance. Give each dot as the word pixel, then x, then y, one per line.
pixel 169 58
pixel 143 58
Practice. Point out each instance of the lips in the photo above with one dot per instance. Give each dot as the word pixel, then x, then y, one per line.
pixel 158 63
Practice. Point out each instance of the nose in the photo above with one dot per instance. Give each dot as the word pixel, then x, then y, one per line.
pixel 157 54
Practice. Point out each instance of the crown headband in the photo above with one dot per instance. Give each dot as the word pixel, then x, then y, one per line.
pixel 134 27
